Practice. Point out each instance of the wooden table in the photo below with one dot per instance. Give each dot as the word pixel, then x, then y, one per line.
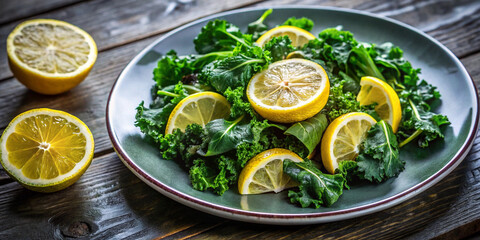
pixel 110 202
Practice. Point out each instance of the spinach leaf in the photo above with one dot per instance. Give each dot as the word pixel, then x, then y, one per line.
pixel 303 23
pixel 316 188
pixel 379 158
pixel 309 131
pixel 227 135
pixel 258 28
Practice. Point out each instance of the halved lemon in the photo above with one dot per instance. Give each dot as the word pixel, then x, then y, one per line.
pixel 46 150
pixel 264 172
pixel 374 90
pixel 298 36
pixel 289 91
pixel 342 138
pixel 50 56
pixel 199 108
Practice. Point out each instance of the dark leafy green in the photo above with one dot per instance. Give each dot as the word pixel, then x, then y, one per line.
pixel 227 135
pixel 379 158
pixel 426 124
pixel 279 48
pixel 303 23
pixel 341 101
pixel 172 69
pixel 220 35
pixel 316 188
pixel 309 131
pixel 258 28
pixel 231 72
pixel 152 121
pixel 215 155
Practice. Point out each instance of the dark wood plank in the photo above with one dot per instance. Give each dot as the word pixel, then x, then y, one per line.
pixel 119 22
pixel 113 205
pixel 15 10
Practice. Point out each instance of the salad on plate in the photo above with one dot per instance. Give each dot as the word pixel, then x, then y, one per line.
pixel 273 108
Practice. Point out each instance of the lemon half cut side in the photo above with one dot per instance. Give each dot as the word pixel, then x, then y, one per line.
pixel 50 56
pixel 46 150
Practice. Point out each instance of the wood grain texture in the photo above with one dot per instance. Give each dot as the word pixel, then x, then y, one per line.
pixel 15 10
pixel 110 202
pixel 116 205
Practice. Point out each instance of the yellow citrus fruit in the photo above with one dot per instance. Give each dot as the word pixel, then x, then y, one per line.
pixel 289 91
pixel 264 172
pixel 298 36
pixel 50 56
pixel 342 138
pixel 374 90
pixel 46 150
pixel 199 108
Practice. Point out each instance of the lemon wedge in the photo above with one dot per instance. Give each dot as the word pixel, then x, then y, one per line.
pixel 289 91
pixel 342 138
pixel 264 172
pixel 46 150
pixel 199 108
pixel 50 56
pixel 374 90
pixel 298 36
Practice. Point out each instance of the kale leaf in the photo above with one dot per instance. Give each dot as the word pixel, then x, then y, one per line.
pixel 220 35
pixel 279 47
pixel 303 23
pixel 379 158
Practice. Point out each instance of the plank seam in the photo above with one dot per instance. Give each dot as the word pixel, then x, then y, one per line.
pixel 41 12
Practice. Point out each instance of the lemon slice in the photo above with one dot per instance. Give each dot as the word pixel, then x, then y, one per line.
pixel 46 150
pixel 298 36
pixel 50 56
pixel 342 137
pixel 264 172
pixel 374 90
pixel 199 108
pixel 289 91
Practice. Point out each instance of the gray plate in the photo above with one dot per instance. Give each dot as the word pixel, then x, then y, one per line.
pixel 424 167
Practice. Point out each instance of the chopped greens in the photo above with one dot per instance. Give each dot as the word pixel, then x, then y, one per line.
pixel 226 59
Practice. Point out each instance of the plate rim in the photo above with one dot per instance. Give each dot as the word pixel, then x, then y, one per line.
pixel 301 218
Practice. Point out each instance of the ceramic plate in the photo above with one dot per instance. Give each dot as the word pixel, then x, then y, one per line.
pixel 424 167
